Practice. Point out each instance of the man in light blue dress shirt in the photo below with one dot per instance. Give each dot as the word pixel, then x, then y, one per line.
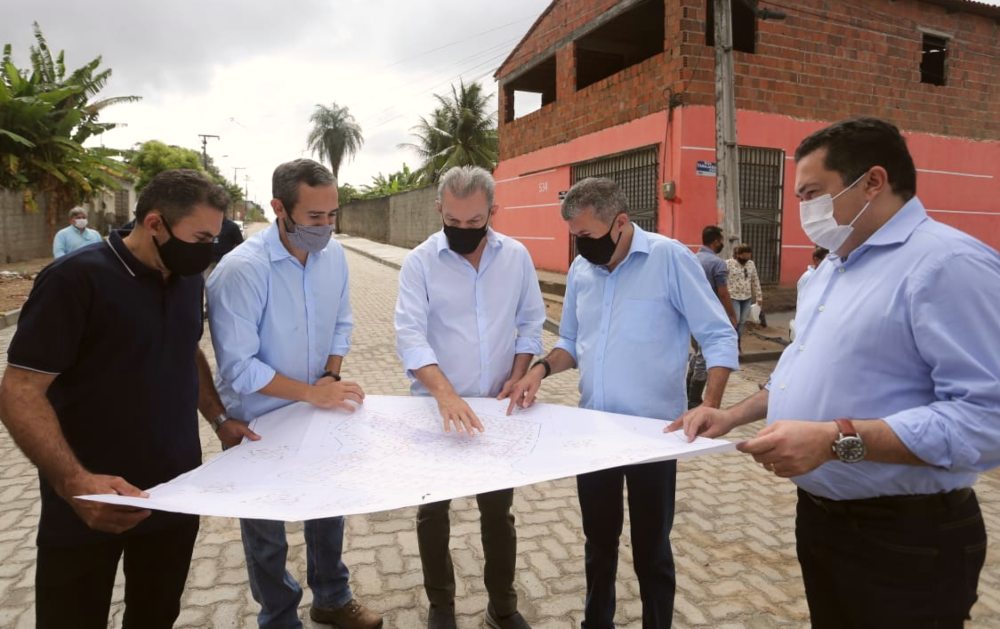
pixel 887 405
pixel 468 321
pixel 280 316
pixel 75 235
pixel 633 299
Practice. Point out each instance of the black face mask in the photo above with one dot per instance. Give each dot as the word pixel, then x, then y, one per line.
pixel 598 250
pixel 184 258
pixel 464 240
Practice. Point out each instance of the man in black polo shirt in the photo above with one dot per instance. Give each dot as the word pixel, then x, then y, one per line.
pixel 101 393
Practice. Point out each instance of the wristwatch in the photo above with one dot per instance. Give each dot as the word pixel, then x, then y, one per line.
pixel 217 421
pixel 849 446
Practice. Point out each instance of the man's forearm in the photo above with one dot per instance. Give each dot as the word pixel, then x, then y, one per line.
pixel 750 409
pixel 32 423
pixel 434 381
pixel 209 402
pixel 334 363
pixel 520 366
pixel 716 386
pixel 560 360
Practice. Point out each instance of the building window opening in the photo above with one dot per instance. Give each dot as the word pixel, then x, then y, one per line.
pixel 531 90
pixel 932 59
pixel 623 41
pixel 744 25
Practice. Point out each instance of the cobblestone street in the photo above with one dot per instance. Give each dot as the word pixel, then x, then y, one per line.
pixel 733 536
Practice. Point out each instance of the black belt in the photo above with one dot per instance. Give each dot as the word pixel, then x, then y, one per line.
pixel 918 505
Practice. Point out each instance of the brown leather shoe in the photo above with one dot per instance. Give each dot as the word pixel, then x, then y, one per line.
pixel 354 615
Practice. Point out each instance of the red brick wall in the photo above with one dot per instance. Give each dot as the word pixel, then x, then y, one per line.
pixel 825 61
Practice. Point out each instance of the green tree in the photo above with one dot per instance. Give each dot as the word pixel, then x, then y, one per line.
pixel 394 183
pixel 335 135
pixel 461 131
pixel 46 114
pixel 153 157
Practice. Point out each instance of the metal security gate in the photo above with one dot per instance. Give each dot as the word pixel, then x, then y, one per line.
pixel 761 183
pixel 635 171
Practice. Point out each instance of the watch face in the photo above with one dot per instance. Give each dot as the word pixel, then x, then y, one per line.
pixel 850 449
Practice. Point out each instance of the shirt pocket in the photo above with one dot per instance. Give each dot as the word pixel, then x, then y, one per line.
pixel 641 319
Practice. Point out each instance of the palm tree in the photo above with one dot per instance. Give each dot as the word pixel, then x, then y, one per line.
pixel 335 134
pixel 461 132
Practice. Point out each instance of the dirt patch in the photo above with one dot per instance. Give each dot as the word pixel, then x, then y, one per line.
pixel 779 298
pixel 16 280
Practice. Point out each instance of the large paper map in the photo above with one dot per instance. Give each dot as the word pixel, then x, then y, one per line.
pixel 392 452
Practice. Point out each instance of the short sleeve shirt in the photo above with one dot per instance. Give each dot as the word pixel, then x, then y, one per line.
pixel 122 341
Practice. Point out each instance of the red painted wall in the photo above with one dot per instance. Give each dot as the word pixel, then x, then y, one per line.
pixel 958 180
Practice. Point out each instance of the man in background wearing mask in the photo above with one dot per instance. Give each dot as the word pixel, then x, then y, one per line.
pixel 128 312
pixel 717 274
pixel 468 321
pixel 75 235
pixel 632 301
pixel 280 316
pixel 884 408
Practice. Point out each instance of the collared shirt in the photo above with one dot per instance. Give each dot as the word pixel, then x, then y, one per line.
pixel 628 329
pixel 69 239
pixel 743 280
pixel 801 284
pixel 904 330
pixel 469 322
pixel 123 343
pixel 270 314
pixel 715 267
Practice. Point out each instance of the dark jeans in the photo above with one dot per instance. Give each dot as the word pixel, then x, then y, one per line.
pixel 651 507
pixel 891 562
pixel 73 584
pixel 499 547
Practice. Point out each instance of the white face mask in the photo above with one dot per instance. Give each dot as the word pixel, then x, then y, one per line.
pixel 80 223
pixel 820 225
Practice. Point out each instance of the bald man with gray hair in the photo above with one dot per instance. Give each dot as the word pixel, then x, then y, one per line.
pixel 468 321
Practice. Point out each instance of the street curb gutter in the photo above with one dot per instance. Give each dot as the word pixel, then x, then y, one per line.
pixel 8 319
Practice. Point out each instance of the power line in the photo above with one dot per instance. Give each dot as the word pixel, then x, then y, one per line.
pixel 460 41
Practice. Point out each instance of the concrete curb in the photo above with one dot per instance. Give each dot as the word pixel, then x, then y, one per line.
pixel 369 255
pixel 10 318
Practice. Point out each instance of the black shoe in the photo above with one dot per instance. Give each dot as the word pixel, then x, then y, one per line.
pixel 513 621
pixel 441 617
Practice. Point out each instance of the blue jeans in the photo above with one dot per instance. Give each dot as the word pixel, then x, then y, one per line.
pixel 651 507
pixel 742 308
pixel 275 589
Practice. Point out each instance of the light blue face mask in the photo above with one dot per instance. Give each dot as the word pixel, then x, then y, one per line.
pixel 311 238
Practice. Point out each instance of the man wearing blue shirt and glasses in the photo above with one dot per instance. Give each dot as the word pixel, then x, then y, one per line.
pixel 468 321
pixel 280 315
pixel 633 299
pixel 885 407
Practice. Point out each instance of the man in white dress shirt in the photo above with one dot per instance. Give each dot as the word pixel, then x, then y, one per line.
pixel 468 321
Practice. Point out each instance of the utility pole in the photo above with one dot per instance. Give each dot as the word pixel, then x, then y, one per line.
pixel 246 195
pixel 204 148
pixel 727 182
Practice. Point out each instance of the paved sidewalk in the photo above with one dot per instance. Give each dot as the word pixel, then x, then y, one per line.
pixel 733 535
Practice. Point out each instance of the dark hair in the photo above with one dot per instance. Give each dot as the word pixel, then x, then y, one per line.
pixel 287 177
pixel 855 145
pixel 743 248
pixel 604 196
pixel 710 234
pixel 820 253
pixel 175 193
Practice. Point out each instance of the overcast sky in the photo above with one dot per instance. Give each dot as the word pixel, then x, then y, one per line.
pixel 252 71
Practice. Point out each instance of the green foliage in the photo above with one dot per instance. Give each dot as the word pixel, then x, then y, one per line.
pixel 399 181
pixel 46 114
pixel 461 131
pixel 153 157
pixel 335 135
pixel 254 213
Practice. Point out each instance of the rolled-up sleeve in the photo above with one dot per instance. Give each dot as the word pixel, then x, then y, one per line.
pixel 237 296
pixel 703 311
pixel 568 324
pixel 341 343
pixel 412 308
pixel 953 314
pixel 530 311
